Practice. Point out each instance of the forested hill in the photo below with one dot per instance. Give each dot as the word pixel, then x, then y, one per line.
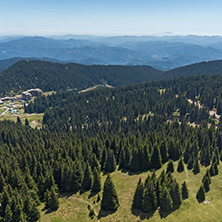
pixel 203 68
pixel 55 76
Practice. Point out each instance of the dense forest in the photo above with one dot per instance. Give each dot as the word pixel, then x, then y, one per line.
pixel 56 76
pixel 136 128
pixel 50 76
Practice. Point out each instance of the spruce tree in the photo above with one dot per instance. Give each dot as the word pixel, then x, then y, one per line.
pixel 8 214
pixel 166 204
pixel 53 200
pixel 138 195
pixel 96 187
pixel 200 194
pixel 185 192
pixel 110 164
pixel 180 167
pixel 170 167
pixel 206 184
pixel 156 160
pixel 196 167
pixel 110 200
pixel 87 179
pixel 190 163
pixel 175 193
pixel 146 201
pixel 212 170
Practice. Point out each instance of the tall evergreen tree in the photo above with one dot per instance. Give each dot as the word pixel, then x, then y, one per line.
pixel 110 164
pixel 54 200
pixel 8 214
pixel 138 195
pixel 196 168
pixel 166 204
pixel 96 187
pixel 180 167
pixel 200 194
pixel 175 193
pixel 110 200
pixel 185 192
pixel 170 167
pixel 87 179
pixel 206 184
pixel 156 161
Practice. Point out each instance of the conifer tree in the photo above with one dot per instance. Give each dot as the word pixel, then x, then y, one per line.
pixel 26 122
pixel 212 170
pixel 54 200
pixel 190 163
pixel 206 184
pixel 138 195
pixel 96 187
pixel 215 168
pixel 145 159
pixel 196 167
pixel 146 201
pixel 200 194
pixel 18 215
pixel 156 161
pixel 110 164
pixel 185 192
pixel 170 167
pixel 166 204
pixel 110 200
pixel 8 214
pixel 180 167
pixel 175 193
pixel 87 179
pixel 164 151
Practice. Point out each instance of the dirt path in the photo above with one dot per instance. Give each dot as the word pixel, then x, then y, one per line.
pixel 4 112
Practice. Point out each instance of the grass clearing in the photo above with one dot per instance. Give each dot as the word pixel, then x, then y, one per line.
pixel 75 206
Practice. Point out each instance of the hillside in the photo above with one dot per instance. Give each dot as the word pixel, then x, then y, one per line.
pixel 128 132
pixel 56 76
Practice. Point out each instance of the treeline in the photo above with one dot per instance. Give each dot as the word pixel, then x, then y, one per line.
pixel 55 76
pixel 50 76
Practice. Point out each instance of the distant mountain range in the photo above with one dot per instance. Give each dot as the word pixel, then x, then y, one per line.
pixel 163 53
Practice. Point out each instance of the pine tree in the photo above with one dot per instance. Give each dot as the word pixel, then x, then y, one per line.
pixel 185 192
pixel 110 200
pixel 170 167
pixel 196 168
pixel 166 204
pixel 156 161
pixel 87 179
pixel 176 195
pixel 190 163
pixel 212 170
pixel 26 122
pixel 110 164
pixel 53 200
pixel 138 195
pixel 96 187
pixel 215 168
pixel 8 214
pixel 180 167
pixel 164 151
pixel 200 194
pixel 206 184
pixel 18 215
pixel 146 201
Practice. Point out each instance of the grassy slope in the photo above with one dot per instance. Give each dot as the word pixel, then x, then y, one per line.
pixel 75 209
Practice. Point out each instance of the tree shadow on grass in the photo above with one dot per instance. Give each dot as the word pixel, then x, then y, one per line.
pixel 141 214
pixel 103 213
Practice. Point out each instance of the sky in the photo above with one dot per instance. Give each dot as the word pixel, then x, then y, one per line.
pixel 110 17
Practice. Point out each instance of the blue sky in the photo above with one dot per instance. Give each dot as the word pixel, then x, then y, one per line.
pixel 110 17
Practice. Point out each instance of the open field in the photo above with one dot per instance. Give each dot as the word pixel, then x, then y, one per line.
pixel 75 206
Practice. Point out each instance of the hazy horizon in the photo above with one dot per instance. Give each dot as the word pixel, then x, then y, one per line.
pixel 110 18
